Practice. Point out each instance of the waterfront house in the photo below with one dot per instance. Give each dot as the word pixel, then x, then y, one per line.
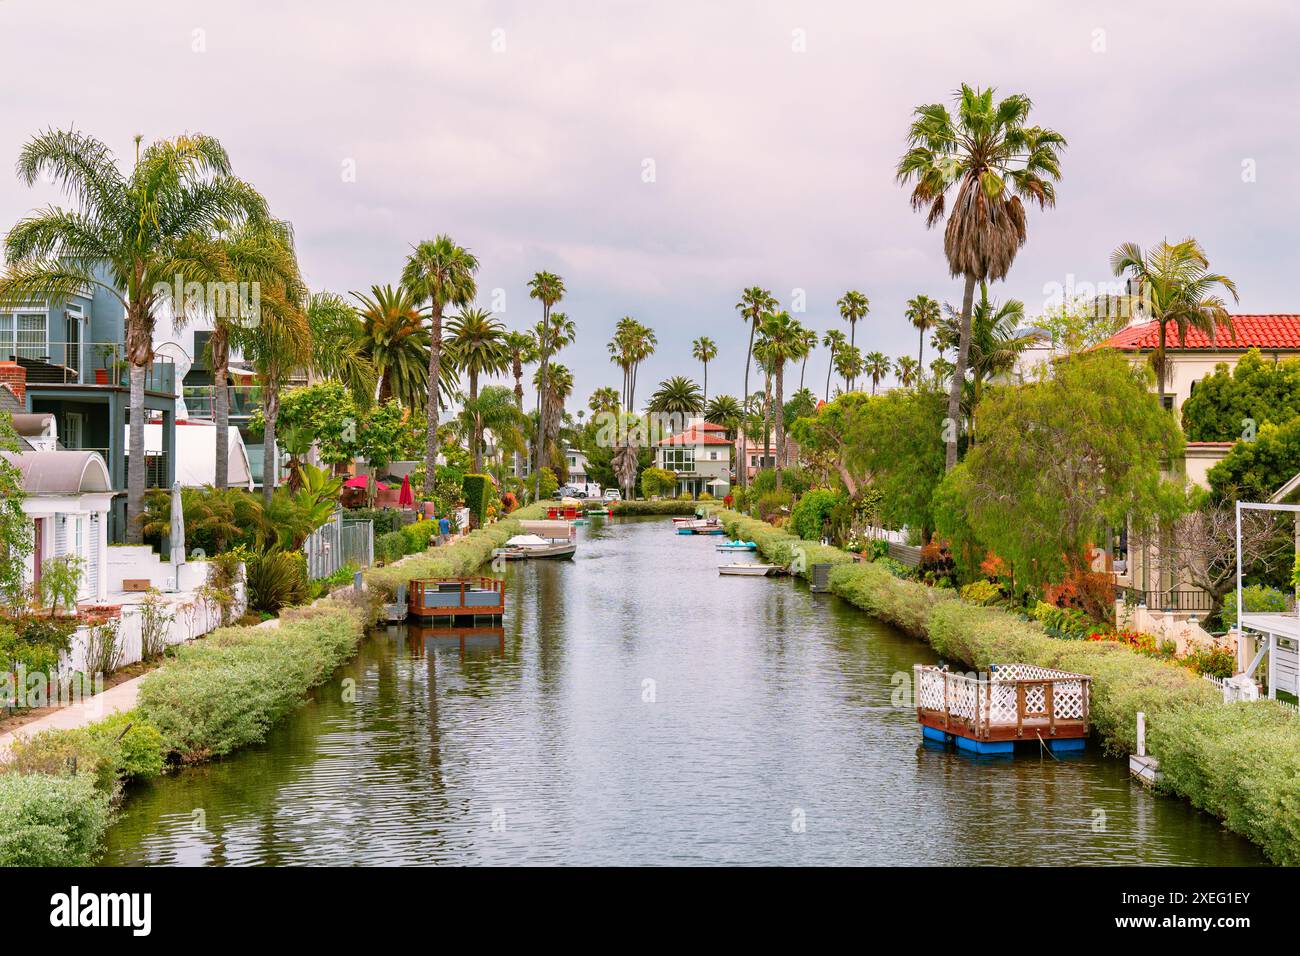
pixel 759 456
pixel 67 360
pixel 701 457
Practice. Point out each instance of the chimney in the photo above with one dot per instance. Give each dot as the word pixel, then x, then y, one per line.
pixel 15 376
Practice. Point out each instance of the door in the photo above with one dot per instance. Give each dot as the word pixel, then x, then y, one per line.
pixel 38 555
pixel 72 351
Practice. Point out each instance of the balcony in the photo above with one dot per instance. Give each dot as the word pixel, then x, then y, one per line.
pixel 155 465
pixel 244 400
pixel 85 363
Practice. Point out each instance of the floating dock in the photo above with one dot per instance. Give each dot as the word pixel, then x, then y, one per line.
pixel 457 599
pixel 1015 703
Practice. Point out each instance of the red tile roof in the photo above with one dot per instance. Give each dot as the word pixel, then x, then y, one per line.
pixel 696 436
pixel 1266 332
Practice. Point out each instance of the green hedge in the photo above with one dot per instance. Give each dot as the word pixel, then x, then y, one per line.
pixel 122 747
pixel 478 491
pixel 780 547
pixel 668 506
pixel 226 691
pixel 906 605
pixel 48 820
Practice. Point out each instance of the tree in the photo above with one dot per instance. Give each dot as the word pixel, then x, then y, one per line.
pixel 907 371
pixel 853 306
pixel 923 313
pixel 658 482
pixel 784 340
pixel 1173 284
pixel 996 160
pixel 324 413
pixel 494 409
pixel 755 302
pixel 442 273
pixel 1080 324
pixel 548 289
pixel 558 387
pixel 135 236
pixel 604 401
pixel 704 350
pixel 16 541
pixel 677 395
pixel 632 344
pixel 1232 404
pixel 338 347
pixel 1255 470
pixel 834 340
pixel 724 410
pixel 801 403
pixel 876 366
pixel 476 346
pixel 394 339
pixel 521 348
pixel 808 342
pixel 1061 460
pixel 849 364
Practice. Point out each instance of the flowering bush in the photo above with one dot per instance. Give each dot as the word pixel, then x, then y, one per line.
pixel 1140 641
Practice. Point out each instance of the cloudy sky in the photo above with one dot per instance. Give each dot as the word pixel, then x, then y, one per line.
pixel 768 133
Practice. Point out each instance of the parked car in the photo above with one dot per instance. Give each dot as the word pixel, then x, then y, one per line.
pixel 612 494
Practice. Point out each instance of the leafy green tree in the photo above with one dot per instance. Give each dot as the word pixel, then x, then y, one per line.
pixel 895 441
pixel 325 413
pixel 1061 460
pixel 389 433
pixel 1080 323
pixel 995 160
pixel 802 403
pixel 15 527
pixel 1255 470
pixel 133 235
pixel 658 482
pixel 1232 404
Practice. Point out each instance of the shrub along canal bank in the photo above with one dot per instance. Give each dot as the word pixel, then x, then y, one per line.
pixel 59 788
pixel 1239 762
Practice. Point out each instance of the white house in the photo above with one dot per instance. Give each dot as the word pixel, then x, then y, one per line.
pixel 69 495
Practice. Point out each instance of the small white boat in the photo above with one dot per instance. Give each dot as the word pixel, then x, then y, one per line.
pixel 751 569
pixel 738 546
pixel 531 547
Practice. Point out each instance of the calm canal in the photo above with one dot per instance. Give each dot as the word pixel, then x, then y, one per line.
pixel 636 708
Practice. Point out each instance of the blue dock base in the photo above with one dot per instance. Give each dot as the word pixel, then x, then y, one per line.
pixel 969 745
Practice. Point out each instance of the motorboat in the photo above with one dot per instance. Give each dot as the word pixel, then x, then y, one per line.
pixel 700 526
pixel 531 547
pixel 751 569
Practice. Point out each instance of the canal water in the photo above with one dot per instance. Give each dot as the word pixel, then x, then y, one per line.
pixel 636 708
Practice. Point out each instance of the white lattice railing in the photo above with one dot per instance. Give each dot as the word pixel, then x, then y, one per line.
pixel 1009 696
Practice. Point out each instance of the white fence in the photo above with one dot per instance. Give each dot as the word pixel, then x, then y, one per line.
pixel 337 543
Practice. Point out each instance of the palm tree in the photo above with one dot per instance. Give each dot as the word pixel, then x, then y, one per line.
pixel 476 346
pixel 755 302
pixel 1173 284
pixel 807 344
pixel 547 288
pixel 395 340
pixel 631 345
pixel 677 395
pixel 996 343
pixel 604 401
pixel 941 370
pixel 441 272
pixel 521 348
pixel 724 410
pixel 559 386
pixel 785 341
pixel 876 365
pixel 848 363
pixel 907 369
pixel 996 160
pixel 494 409
pixel 834 340
pixel 339 347
pixel 853 306
pixel 923 313
pixel 552 334
pixel 704 350
pixel 132 236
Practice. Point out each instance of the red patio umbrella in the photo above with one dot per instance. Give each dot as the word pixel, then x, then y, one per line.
pixel 406 498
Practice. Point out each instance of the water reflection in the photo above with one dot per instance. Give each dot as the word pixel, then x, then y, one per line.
pixel 635 707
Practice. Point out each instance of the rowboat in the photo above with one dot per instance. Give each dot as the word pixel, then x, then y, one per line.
pixel 701 526
pixel 750 569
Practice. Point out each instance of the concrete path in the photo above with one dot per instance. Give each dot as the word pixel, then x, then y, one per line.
pixel 114 700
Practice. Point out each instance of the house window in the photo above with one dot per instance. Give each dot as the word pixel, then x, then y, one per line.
pixel 24 335
pixel 679 459
pixel 713 456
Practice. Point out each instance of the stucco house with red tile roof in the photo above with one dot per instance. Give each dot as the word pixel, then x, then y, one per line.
pixel 700 455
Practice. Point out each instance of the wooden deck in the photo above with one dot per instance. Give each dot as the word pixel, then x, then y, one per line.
pixel 1016 702
pixel 456 598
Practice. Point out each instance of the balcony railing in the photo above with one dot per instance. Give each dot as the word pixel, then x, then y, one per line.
pixel 1175 600
pixel 155 465
pixel 85 363
pixel 244 400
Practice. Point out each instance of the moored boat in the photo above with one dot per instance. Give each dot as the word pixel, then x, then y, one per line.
pixel 531 547
pixel 738 545
pixel 751 569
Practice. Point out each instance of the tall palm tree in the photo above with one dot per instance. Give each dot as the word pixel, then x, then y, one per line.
pixel 548 289
pixel 1174 285
pixel 996 344
pixel 339 347
pixel 907 369
pixel 923 313
pixel 476 346
pixel 755 302
pixel 834 340
pixel 553 334
pixel 442 273
pixel 559 386
pixel 604 401
pixel 763 359
pixel 853 306
pixel 677 395
pixel 132 235
pixel 724 410
pixel 877 366
pixel 494 409
pixel 808 344
pixel 394 338
pixel 784 341
pixel 996 160
pixel 849 365
pixel 631 345
pixel 521 347
pixel 704 350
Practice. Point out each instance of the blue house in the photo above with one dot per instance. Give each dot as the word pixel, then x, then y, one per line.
pixel 68 359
